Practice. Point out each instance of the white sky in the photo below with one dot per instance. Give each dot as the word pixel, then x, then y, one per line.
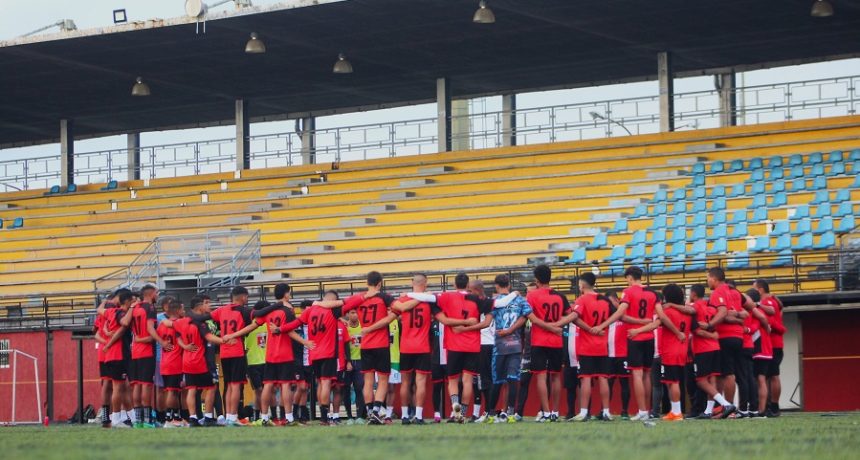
pixel 18 17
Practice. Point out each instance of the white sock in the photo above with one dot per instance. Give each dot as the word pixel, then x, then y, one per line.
pixel 115 418
pixel 606 412
pixel 540 414
pixel 583 412
pixel 404 411
pixel 123 415
pixel 232 417
pixel 721 400
pixel 676 407
pixel 208 415
pixel 290 417
pixel 643 413
pixel 419 412
pixel 554 413
pixel 132 415
pixel 435 414
pixel 389 410
pixel 265 416
pixel 476 410
pixel 709 408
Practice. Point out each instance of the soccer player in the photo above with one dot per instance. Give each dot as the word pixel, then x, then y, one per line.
pixel 255 351
pixel 142 370
pixel 303 365
pixel 463 343
pixel 374 318
pixel 114 359
pixel 762 354
pixel 639 302
pixel 323 332
pixel 772 306
pixel 340 390
pixel 590 311
pixel 438 368
pixel 234 321
pixel 485 359
pixel 525 365
pixel 192 336
pixel 509 314
pixel 616 336
pixel 548 306
pixel 160 394
pixel 706 354
pixel 354 377
pixel 170 367
pixel 394 378
pixel 101 339
pixel 571 370
pixel 728 323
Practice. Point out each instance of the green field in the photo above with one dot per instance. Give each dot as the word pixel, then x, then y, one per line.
pixel 791 436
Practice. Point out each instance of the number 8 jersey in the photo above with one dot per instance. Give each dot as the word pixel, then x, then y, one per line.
pixel 549 306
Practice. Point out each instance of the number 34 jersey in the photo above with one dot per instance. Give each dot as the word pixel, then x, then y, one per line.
pixel 322 330
pixel 549 306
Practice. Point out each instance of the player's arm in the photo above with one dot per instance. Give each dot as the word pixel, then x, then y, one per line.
pixel 404 306
pixel 115 337
pixel 685 309
pixel 451 322
pixel 667 323
pixel 767 309
pixel 624 306
pixel 265 311
pixel 514 327
pixel 719 317
pixel 504 301
pixel 185 346
pixel 543 324
pixel 305 343
pixel 646 328
pixel 488 319
pixel 384 322
pixel 762 319
pixel 98 338
pixel 619 314
pixel 100 310
pixel 125 321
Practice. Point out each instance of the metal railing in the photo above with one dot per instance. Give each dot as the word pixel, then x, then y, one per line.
pixel 807 99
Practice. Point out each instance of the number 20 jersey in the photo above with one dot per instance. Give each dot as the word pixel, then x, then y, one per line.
pixel 549 306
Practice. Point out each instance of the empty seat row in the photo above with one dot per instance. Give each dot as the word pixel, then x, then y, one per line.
pixel 805 242
pixel 718 166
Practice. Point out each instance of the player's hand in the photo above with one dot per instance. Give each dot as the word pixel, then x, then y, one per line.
pixel 703 325
pixel 371 292
pixel 503 333
pixel 458 329
pixel 310 345
pixel 228 338
pixel 598 329
pixel 276 331
pixel 471 321
pixel 680 335
pixel 230 342
pixel 632 333
pixel 316 303
pixel 192 348
pixel 554 329
pixel 107 345
pixel 167 346
pixel 349 366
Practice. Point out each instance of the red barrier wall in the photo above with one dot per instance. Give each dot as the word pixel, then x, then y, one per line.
pixel 831 360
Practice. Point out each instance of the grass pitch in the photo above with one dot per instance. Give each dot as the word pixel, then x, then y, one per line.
pixel 794 436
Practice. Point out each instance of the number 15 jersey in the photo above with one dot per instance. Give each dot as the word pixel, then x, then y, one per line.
pixel 549 306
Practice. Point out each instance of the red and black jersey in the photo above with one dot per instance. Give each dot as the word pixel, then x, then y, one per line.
pixel 279 347
pixel 193 333
pixel 673 352
pixel 594 309
pixel 141 315
pixel 705 313
pixel 98 325
pixel 462 305
pixel 640 305
pixel 322 330
pixel 112 318
pixel 369 312
pixel 415 327
pixel 725 296
pixel 343 340
pixel 171 361
pixel 549 306
pixel 777 328
pixel 232 318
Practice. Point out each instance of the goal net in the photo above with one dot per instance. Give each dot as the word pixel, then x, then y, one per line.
pixel 24 385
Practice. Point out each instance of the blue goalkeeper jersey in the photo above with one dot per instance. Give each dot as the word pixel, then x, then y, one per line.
pixel 504 318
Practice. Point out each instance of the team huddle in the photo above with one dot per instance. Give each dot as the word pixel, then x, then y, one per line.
pixel 159 366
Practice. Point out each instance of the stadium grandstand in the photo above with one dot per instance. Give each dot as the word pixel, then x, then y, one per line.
pixel 763 181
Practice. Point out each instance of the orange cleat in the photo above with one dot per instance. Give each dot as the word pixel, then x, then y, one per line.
pixel 670 417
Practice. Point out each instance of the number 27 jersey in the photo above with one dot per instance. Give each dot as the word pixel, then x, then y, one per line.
pixel 549 306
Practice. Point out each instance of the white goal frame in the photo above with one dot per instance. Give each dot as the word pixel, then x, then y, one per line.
pixel 13 362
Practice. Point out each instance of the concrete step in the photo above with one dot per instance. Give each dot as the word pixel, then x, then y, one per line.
pixel 242 219
pixel 287 263
pixel 664 174
pixel 650 188
pixel 283 195
pixel 271 277
pixel 704 147
pixel 587 231
pixel 263 207
pixel 336 235
pixel 378 208
pixel 396 195
pixel 558 247
pixel 626 202
pixel 303 181
pixel 689 161
pixel 314 249
pixel 548 259
pixel 435 169
pixel 8 206
pixel 610 216
pixel 357 221
pixel 416 182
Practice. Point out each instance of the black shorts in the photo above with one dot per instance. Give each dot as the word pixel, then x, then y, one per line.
pixel 706 364
pixel 463 362
pixel 103 371
pixel 773 370
pixel 761 366
pixel 235 369
pixel 278 373
pixel 671 374
pixel 640 354
pixel 571 377
pixel 376 360
pixel 594 366
pixel 201 381
pixel 731 353
pixel 340 380
pixel 172 382
pixel 485 367
pixel 325 369
pixel 545 359
pixel 142 371
pixel 618 367
pixel 255 375
pixel 415 362
pixel 306 374
pixel 115 370
pixel 438 372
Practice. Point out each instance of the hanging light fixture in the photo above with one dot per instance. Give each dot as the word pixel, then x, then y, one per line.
pixel 821 9
pixel 140 88
pixel 484 15
pixel 342 65
pixel 255 45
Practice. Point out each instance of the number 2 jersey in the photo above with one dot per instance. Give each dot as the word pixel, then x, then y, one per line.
pixel 549 306
pixel 462 305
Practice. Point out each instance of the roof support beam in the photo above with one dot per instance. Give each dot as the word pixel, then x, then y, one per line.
pixel 67 152
pixel 443 113
pixel 308 135
pixel 509 120
pixel 667 91
pixel 728 99
pixel 133 150
pixel 243 135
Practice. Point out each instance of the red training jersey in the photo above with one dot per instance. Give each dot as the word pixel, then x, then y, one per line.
pixel 462 305
pixel 98 324
pixel 704 312
pixel 343 340
pixel 171 361
pixel 141 315
pixel 640 305
pixel 193 362
pixel 111 323
pixel 673 352
pixel 725 296
pixel 777 328
pixel 322 330
pixel 593 309
pixel 279 347
pixel 369 312
pixel 549 306
pixel 231 318
pixel 415 327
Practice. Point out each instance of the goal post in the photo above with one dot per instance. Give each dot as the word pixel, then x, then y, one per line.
pixel 12 358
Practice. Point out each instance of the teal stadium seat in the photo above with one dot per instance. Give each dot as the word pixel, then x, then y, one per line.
pixel 779 199
pixel 774 162
pixel 822 210
pixel 803 226
pixel 798 184
pixel 720 246
pixel 777 186
pixel 826 241
pixel 759 215
pixel 718 191
pixel 719 217
pixel 717 167
pixel 795 160
pixel 739 216
pixel 780 228
pixel 801 212
pixel 641 210
pixel 739 260
pixel 620 226
pixel 814 158
pixel 804 242
pixel 835 156
pixel 845 209
pixel 736 165
pixel 739 231
pixel 755 163
pixel 825 224
pixel 599 241
pixel 18 222
pixel 821 196
pixel 846 224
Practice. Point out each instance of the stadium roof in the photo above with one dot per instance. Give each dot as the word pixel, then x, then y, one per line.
pixel 398 49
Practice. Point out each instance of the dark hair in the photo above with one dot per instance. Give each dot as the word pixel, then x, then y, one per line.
pixel 332 291
pixel 119 292
pixel 125 296
pixel 502 281
pixel 306 303
pixel 543 274
pixel 732 283
pixel 699 290
pixel 374 278
pixel 281 290
pixel 198 300
pixel 718 273
pixel 673 294
pixel 612 294
pixel 174 306
pixel 166 300
pixel 589 278
pixel 763 285
pixel 461 281
pixel 146 288
pixel 754 295
pixel 532 284
pixel 238 290
pixel 634 272
pixel 261 304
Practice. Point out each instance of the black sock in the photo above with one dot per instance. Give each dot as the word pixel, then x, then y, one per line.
pixel 168 415
pixel 183 413
pixel 160 416
pixel 323 413
pixel 138 414
pixel 147 414
pixel 105 414
pixel 282 413
pixel 256 414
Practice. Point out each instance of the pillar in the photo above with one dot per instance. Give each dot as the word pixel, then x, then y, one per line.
pixel 509 120
pixel 133 150
pixel 667 91
pixel 443 106
pixel 67 153
pixel 243 133
pixel 309 144
pixel 728 101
